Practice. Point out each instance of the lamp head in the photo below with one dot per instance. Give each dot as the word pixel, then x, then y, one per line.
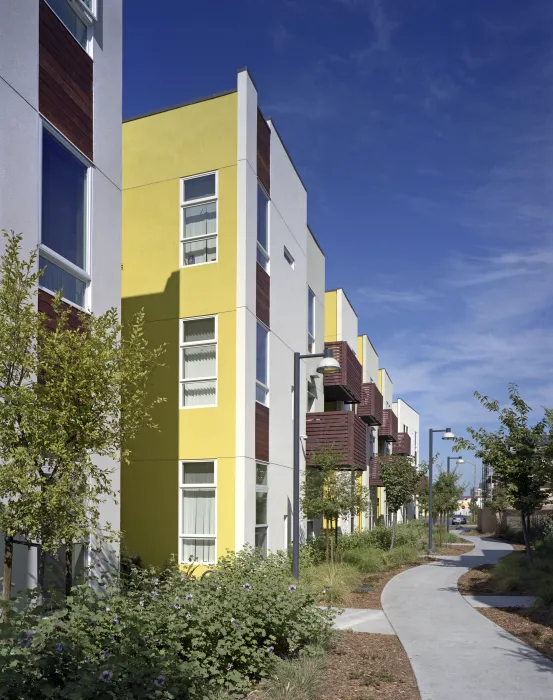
pixel 328 363
pixel 460 460
pixel 448 435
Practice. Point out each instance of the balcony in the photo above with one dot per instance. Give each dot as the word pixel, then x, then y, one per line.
pixel 346 383
pixel 374 472
pixel 403 444
pixel 340 431
pixel 388 429
pixel 371 406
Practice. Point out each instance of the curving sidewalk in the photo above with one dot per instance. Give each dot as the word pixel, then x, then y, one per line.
pixel 455 651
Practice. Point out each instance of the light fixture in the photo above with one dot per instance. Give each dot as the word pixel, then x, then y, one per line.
pixel 328 363
pixel 448 435
pixel 460 460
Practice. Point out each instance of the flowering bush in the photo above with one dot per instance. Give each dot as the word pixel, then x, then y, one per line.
pixel 161 635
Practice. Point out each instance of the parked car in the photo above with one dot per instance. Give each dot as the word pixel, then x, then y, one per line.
pixel 458 520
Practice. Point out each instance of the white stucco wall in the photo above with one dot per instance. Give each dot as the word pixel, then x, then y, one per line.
pixel 20 176
pixel 369 361
pixel 316 281
pixel 346 320
pixel 408 421
pixel 386 387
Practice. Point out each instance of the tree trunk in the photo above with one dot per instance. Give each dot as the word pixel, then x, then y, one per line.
pixel 41 570
pixel 8 567
pixel 394 521
pixel 526 534
pixel 441 530
pixel 68 569
pixel 327 544
pixel 336 533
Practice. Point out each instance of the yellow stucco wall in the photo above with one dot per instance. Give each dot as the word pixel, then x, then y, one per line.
pixel 331 316
pixel 157 152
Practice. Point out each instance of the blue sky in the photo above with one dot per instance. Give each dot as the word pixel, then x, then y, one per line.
pixel 423 130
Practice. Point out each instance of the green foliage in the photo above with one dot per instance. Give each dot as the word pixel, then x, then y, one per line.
pixel 500 500
pixel 372 560
pixel 400 477
pixel 90 400
pixel 296 679
pixel 162 635
pixel 330 582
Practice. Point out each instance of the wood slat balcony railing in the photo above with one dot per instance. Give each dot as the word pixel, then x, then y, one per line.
pixel 372 404
pixel 345 384
pixel 403 444
pixel 374 472
pixel 340 431
pixel 388 429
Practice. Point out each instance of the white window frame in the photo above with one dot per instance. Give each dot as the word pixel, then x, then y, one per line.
pixel 262 488
pixel 258 383
pixel 206 487
pixel 82 274
pixel 311 336
pixel 194 203
pixel 260 249
pixel 197 343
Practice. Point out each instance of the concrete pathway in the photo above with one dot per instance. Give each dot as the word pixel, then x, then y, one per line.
pixel 455 651
pixel 362 620
pixel 500 601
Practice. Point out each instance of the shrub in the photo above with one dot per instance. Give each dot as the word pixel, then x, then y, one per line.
pixel 162 636
pixel 296 679
pixel 330 582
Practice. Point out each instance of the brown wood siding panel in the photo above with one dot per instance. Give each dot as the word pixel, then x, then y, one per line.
pixel 389 426
pixel 45 307
pixel 261 432
pixel 263 296
pixel 374 472
pixel 345 384
pixel 340 431
pixel 263 152
pixel 403 444
pixel 372 404
pixel 65 82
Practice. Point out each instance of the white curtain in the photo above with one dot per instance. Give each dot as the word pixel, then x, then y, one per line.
pixel 199 361
pixel 198 330
pixel 198 511
pixel 198 550
pixel 200 220
pixel 199 393
pixel 198 473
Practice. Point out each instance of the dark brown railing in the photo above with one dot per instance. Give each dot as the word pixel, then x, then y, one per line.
pixel 340 431
pixel 346 383
pixel 388 429
pixel 371 406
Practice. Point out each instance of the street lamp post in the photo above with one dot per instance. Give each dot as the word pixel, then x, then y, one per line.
pixel 458 460
pixel 327 363
pixel 447 435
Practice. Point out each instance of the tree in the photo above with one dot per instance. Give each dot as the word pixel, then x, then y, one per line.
pixel 446 492
pixel 519 454
pixel 400 478
pixel 500 501
pixel 68 395
pixel 332 493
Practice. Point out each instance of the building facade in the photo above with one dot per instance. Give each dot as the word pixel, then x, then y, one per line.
pixel 408 442
pixel 217 250
pixel 60 162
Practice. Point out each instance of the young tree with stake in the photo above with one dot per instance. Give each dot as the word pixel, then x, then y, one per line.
pixel 400 477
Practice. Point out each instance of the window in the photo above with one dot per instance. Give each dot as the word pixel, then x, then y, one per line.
pixel 199 219
pixel 64 224
pixel 311 394
pixel 71 15
pixel 262 228
pixel 198 362
pixel 288 257
pixel 261 497
pixel 197 512
pixel 262 364
pixel 310 320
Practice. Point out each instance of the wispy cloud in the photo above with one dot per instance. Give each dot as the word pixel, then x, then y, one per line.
pixel 396 298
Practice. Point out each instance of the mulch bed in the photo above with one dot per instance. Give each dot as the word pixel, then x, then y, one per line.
pixel 367 667
pixel 535 627
pixel 478 582
pixel 371 600
pixel 453 550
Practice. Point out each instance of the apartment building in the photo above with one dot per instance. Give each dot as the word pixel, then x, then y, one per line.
pixel 60 161
pixel 407 441
pixel 217 250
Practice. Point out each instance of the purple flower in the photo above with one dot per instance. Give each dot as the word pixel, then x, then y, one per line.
pixel 107 609
pixel 59 648
pixel 107 652
pixel 90 621
pixel 291 588
pixel 270 650
pixel 141 603
pixel 235 622
pixel 105 676
pixel 229 667
pixel 189 596
pixel 155 594
pixel 177 606
pixel 159 681
pixel 115 621
pixel 187 614
pixel 247 586
pixel 155 581
pixel 87 660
